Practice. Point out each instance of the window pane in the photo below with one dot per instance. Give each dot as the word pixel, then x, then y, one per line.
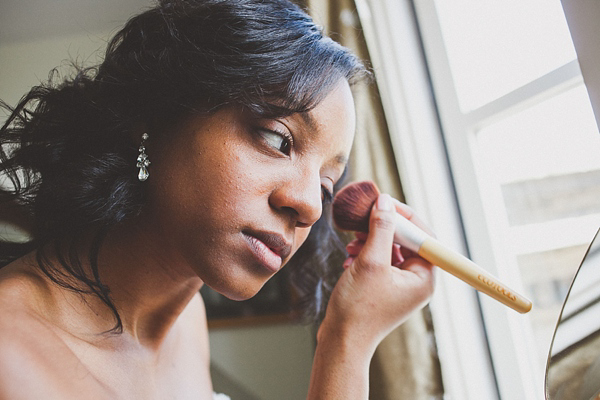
pixel 539 173
pixel 497 46
pixel 556 137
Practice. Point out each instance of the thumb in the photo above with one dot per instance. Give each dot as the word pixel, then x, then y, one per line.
pixel 377 250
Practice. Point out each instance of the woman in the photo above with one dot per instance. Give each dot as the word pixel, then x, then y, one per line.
pixel 201 151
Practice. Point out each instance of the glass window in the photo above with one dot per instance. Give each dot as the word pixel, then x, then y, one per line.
pixel 539 174
pixel 494 47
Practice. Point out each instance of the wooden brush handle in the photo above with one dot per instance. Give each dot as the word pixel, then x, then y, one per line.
pixel 466 270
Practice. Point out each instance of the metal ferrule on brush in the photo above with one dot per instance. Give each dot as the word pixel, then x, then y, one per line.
pixel 408 235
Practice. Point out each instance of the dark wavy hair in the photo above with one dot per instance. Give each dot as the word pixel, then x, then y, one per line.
pixel 68 148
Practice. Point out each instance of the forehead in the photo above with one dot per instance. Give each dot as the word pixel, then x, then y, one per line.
pixel 332 122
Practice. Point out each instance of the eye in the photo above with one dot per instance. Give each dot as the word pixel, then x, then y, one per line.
pixel 326 195
pixel 281 141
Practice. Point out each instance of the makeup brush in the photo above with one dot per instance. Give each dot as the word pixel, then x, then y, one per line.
pixel 351 208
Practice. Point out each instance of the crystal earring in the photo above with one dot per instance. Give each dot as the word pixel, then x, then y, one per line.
pixel 142 161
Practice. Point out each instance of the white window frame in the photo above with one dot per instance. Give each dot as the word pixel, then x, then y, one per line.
pixel 478 339
pixel 509 333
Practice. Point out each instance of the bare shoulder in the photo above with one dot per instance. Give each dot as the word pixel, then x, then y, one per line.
pixel 34 361
pixel 26 348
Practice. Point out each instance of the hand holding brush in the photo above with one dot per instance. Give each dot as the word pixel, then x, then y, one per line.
pixel 351 209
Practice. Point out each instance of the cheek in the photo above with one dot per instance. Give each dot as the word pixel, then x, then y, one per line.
pixel 238 185
pixel 196 185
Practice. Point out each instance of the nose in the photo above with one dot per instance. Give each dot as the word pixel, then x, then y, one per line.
pixel 300 197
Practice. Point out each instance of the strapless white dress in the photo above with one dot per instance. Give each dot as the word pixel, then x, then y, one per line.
pixel 220 396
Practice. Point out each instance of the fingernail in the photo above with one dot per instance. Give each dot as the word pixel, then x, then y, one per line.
pixel 384 202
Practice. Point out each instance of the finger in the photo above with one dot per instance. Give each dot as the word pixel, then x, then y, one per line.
pixel 347 262
pixel 420 277
pixel 397 257
pixel 411 255
pixel 420 267
pixel 406 253
pixel 377 250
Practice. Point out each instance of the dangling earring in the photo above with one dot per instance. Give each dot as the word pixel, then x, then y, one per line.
pixel 142 161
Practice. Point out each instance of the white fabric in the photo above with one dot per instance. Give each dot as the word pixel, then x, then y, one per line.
pixel 220 396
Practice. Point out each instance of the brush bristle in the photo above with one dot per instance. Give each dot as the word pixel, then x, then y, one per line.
pixel 352 206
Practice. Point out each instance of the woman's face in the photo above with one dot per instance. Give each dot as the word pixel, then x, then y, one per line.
pixel 233 196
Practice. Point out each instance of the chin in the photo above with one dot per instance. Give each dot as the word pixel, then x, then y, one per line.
pixel 244 291
pixel 238 296
pixel 233 279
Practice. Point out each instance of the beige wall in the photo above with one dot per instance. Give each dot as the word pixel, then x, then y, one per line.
pixel 273 361
pixel 25 64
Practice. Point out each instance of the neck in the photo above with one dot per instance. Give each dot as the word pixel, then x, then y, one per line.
pixel 149 287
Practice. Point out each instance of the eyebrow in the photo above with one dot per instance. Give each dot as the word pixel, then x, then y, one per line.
pixel 308 119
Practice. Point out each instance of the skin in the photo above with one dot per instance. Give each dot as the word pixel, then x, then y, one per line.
pixel 380 288
pixel 214 182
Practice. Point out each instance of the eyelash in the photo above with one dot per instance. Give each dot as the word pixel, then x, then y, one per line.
pixel 327 195
pixel 288 140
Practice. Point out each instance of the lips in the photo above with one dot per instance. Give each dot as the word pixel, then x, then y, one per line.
pixel 270 249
